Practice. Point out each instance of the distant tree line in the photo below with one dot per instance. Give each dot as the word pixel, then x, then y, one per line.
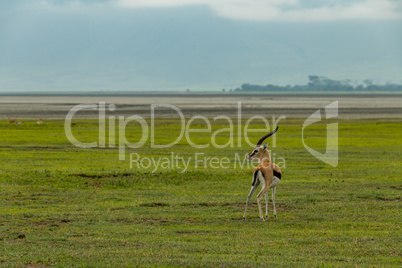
pixel 321 83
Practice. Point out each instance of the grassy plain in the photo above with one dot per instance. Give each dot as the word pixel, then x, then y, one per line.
pixel 65 206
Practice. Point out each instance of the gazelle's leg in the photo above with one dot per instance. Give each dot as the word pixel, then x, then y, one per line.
pixel 260 194
pixel 273 201
pixel 266 205
pixel 253 188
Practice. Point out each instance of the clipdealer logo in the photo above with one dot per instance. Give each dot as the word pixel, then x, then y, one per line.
pixel 330 156
pixel 234 136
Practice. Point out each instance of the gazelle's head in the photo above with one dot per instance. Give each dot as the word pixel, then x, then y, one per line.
pixel 260 150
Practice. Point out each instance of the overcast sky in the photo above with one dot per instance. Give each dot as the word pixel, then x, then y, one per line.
pixel 61 45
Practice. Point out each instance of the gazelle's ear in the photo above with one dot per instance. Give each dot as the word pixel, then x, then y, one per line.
pixel 265 145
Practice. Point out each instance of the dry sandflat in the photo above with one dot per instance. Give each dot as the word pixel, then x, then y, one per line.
pixel 350 106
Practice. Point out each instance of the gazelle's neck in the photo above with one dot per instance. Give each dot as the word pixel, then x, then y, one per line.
pixel 265 157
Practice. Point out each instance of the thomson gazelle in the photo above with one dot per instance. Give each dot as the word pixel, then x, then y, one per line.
pixel 266 173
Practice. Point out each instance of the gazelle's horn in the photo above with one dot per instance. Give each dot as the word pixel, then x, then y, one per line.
pixel 266 136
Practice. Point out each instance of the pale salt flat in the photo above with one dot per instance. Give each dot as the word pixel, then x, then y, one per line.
pixel 57 107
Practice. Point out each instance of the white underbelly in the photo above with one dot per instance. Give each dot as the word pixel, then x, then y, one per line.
pixel 275 182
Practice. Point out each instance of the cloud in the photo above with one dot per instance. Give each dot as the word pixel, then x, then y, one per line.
pixel 285 10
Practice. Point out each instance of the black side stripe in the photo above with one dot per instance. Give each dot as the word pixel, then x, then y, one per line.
pixel 277 174
pixel 255 178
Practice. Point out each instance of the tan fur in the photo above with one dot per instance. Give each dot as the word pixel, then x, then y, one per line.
pixel 266 167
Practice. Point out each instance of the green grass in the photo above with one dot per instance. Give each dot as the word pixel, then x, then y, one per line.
pixel 64 206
